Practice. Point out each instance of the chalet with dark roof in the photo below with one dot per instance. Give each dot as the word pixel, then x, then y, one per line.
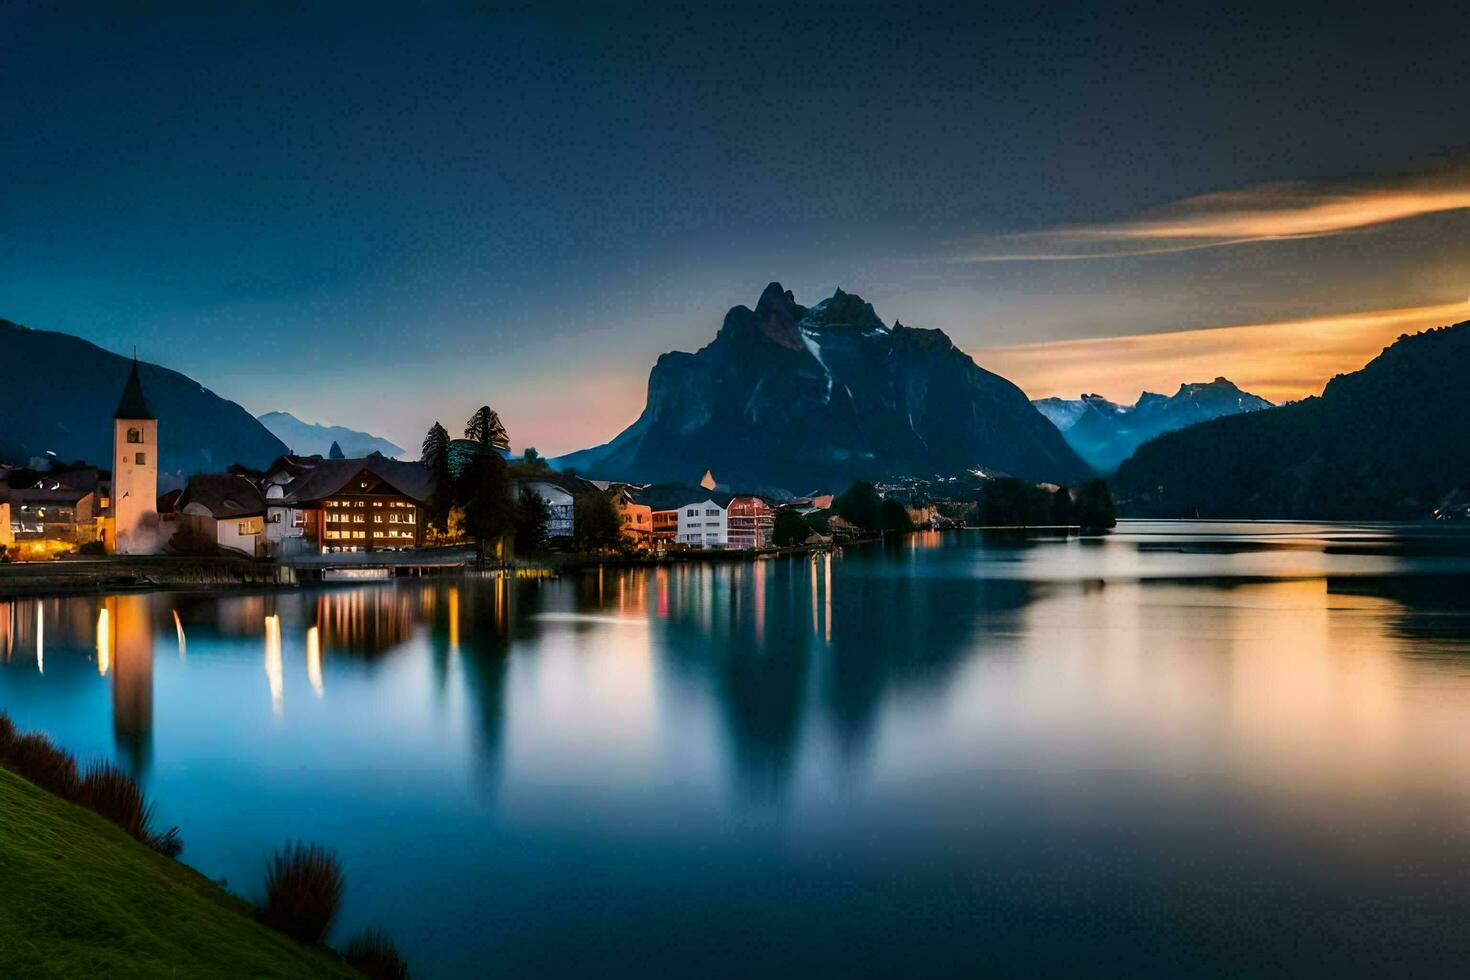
pixel 366 504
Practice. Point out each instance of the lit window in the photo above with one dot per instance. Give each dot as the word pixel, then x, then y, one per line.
pixel 377 518
pixel 377 503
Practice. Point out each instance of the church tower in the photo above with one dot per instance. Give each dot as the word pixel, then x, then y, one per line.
pixel 134 472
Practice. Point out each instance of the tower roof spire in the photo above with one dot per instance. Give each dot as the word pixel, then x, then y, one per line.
pixel 133 405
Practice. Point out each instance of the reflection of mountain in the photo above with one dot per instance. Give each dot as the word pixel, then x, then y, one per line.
pixel 893 633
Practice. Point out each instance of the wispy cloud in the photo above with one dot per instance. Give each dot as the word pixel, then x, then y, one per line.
pixel 1281 361
pixel 1270 212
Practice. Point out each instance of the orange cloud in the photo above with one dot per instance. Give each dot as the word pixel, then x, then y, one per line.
pixel 1281 361
pixel 1271 212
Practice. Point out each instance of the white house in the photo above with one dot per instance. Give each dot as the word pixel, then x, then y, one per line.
pixel 704 525
pixel 226 510
pixel 558 502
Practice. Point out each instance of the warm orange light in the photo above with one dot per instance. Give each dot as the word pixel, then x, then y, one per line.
pixel 104 642
pixel 314 661
pixel 1281 361
pixel 273 672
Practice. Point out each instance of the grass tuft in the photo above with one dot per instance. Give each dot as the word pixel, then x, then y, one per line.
pixel 373 954
pixel 303 887
pixel 38 759
pixel 114 794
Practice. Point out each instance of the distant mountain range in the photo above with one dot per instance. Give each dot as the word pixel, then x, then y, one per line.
pixel 309 438
pixel 59 393
pixel 1105 433
pixel 1387 441
pixel 802 397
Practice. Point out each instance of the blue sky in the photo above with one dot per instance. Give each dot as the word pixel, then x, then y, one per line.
pixel 378 216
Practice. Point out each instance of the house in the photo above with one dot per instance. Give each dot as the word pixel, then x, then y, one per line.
pixel 704 524
pixel 637 520
pixel 225 509
pixel 286 521
pixel 663 501
pixel 558 502
pixel 752 522
pixel 58 513
pixel 366 504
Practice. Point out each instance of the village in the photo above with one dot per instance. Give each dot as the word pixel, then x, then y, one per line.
pixel 357 510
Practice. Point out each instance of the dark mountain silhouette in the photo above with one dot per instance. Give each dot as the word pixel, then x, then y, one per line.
pixel 1105 433
pixel 61 391
pixel 311 438
pixel 795 397
pixel 1387 441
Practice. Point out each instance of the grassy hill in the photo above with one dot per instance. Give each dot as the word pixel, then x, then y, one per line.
pixel 81 898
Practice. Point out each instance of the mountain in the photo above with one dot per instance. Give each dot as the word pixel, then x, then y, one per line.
pixel 1105 433
pixel 1387 441
pixel 309 438
pixel 61 391
pixel 797 397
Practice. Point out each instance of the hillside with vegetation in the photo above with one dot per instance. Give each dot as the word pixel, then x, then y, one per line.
pixel 1384 442
pixel 62 392
pixel 82 898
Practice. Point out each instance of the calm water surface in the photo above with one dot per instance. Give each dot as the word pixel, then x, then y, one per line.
pixel 1182 750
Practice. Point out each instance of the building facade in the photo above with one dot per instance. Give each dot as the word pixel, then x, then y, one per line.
pixel 752 522
pixel 637 521
pixel 704 525
pixel 348 505
pixel 134 525
pixel 225 510
pixel 559 504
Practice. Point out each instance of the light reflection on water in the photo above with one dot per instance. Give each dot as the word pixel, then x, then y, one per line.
pixel 1182 749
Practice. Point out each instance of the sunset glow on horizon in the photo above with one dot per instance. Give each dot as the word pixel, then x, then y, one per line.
pixel 1281 361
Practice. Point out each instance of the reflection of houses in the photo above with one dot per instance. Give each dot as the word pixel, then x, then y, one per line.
pixel 558 503
pixel 704 525
pixel 225 509
pixel 751 523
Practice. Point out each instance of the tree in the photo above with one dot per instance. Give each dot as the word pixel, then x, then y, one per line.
pixel 894 516
pixel 789 529
pixel 531 517
pixel 596 523
pixel 484 493
pixel 485 428
pixel 531 455
pixel 860 505
pixel 435 457
pixel 1092 504
pixel 336 452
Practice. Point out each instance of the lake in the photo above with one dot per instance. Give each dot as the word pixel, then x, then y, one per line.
pixel 1180 750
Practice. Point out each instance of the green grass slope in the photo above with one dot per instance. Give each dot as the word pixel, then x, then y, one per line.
pixel 82 899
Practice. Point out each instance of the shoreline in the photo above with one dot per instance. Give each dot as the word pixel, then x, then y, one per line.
pixel 93 575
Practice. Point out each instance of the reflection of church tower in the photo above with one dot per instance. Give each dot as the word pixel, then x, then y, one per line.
pixel 131 618
pixel 134 472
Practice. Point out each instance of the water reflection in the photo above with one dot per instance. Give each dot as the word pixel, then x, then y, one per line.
pixel 1011 716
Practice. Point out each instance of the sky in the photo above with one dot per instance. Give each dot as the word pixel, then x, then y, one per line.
pixel 383 216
